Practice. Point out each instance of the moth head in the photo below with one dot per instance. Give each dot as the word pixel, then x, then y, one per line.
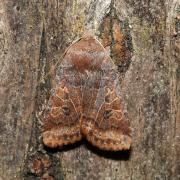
pixel 88 35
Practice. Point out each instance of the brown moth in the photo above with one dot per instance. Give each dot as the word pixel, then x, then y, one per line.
pixel 86 100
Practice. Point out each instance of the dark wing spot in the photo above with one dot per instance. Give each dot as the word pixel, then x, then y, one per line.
pixel 107 98
pixel 66 110
pixel 107 114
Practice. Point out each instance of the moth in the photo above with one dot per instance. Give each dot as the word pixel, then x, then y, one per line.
pixel 86 100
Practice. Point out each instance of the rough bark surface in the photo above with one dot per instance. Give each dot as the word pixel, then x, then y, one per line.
pixel 143 40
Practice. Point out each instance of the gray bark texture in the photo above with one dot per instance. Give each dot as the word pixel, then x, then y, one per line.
pixel 143 40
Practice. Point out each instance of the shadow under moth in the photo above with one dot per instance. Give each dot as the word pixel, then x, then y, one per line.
pixel 86 101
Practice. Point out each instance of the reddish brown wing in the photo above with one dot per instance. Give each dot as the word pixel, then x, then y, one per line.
pixel 62 121
pixel 103 122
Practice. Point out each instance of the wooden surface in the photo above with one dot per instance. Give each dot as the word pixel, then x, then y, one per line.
pixel 142 37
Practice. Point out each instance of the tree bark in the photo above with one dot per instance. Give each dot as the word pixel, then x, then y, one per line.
pixel 142 37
